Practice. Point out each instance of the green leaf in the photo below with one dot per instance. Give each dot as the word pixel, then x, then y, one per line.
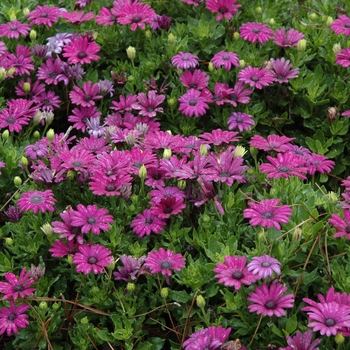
pixel 179 296
pixel 292 324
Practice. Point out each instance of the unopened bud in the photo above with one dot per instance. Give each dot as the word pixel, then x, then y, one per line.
pixel 200 301
pixel 84 320
pixel 236 35
pixel 211 67
pixel 43 305
pixel 47 229
pixel 131 53
pixel 26 11
pixel 258 10
pixel 130 287
pixel 203 150
pixel 2 74
pixel 332 114
pixel 167 153
pixel 142 172
pixel 241 64
pixel 36 135
pixel 272 21
pixel 11 71
pixel 17 181
pixel 313 16
pixel 329 20
pixel 332 197
pixel 171 38
pixel 297 234
pixel 336 48
pixel 261 236
pixel 69 259
pixel 171 101
pixel 24 161
pixel 181 184
pixel 32 35
pixel 339 339
pixel 148 34
pixel 9 241
pixel 164 292
pixel 5 135
pixel 50 134
pixel 111 265
pixel 301 45
pixel 253 151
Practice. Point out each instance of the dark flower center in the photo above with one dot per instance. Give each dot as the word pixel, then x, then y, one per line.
pixel 46 102
pixel 223 9
pixel 167 210
pixel 270 305
pixel 254 78
pixel 91 221
pixel 225 57
pixel 37 199
pixel 192 85
pixel 280 76
pixel 165 265
pixel 237 275
pixel 185 58
pixel 233 97
pixel 224 174
pixel 265 264
pixel 11 120
pixel 150 109
pixel 267 215
pixel 44 15
pixel 77 164
pixel 92 260
pixel 347 25
pixel 148 221
pixel 109 172
pixel 13 28
pixel 87 98
pixel 347 230
pixel 329 322
pixel 18 288
pixel 75 230
pixel 283 169
pixel 192 102
pixel 256 30
pixel 36 148
pixel 156 176
pixel 136 19
pixel 111 188
pixel 52 75
pixel 239 120
pixel 12 316
pixel 82 54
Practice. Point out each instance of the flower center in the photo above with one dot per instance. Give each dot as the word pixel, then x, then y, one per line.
pixel 167 210
pixel 13 28
pixel 223 9
pixel 11 120
pixel 192 102
pixel 225 57
pixel 91 221
pixel 18 288
pixel 136 19
pixel 165 265
pixel 347 25
pixel 224 174
pixel 185 58
pixel 109 172
pixel 256 30
pixel 347 230
pixel 75 230
pixel 280 76
pixel 92 260
pixel 44 15
pixel 239 120
pixel 82 54
pixel 37 199
pixel 156 176
pixel 329 322
pixel 192 85
pixel 283 169
pixel 150 109
pixel 52 75
pixel 77 164
pixel 111 188
pixel 267 215
pixel 270 305
pixel 148 221
pixel 237 275
pixel 87 98
pixel 265 264
pixel 254 78
pixel 11 317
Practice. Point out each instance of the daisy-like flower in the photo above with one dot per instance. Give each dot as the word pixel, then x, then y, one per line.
pixel 81 115
pixel 77 159
pixel 137 14
pixel 218 137
pixel 132 269
pixel 66 228
pixel 105 17
pixel 125 104
pixel 342 226
pixel 47 101
pixel 282 70
pixel 168 206
pixel 327 317
pixel 343 58
pixel 241 121
pixel 285 165
pixel 225 59
pixel 59 249
pixel 50 71
pixel 21 61
pixel 209 338
pixel 256 77
pixel 14 214
pixel 341 25
pixel 225 8
pixel 39 149
pixel 317 162
pixel 184 60
pixel 287 39
pixel 264 266
pixel 17 286
pixel 148 104
pixel 267 213
pixel 37 200
pixel 85 97
pixel 92 257
pixel 193 2
pixel 14 29
pixel 269 300
pixel 13 318
pixel 146 223
pixel 193 104
pixel 239 94
pixel 80 50
pixel 160 22
pixel 164 261
pixel 91 218
pixel 45 15
pixel 77 17
pixel 302 341
pixel 3 48
pixel 272 143
pixel 254 31
pixel 234 272
pixel 194 80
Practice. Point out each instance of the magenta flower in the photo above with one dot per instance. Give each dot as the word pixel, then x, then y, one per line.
pixel 81 115
pixel 192 103
pixel 267 213
pixel 3 48
pixel 37 200
pixel 341 25
pixel 282 70
pixel 226 59
pixel 164 261
pixel 77 17
pixel 264 266
pixel 137 14
pixel 184 60
pixel 77 159
pixel 168 206
pixel 343 58
pixel 341 225
pixel 132 269
pixel 193 2
pixel 125 104
pixel 241 121
pixel 272 143
pixel 287 39
pixel 21 61
pixel 50 71
pixel 80 50
pixel 302 341
pixel 92 257
pixel 285 165
pixel 91 218
pixel 256 77
pixel 47 101
pixel 234 272
pixel 105 17
pixel 14 29
pixel 225 8
pixel 148 105
pixel 17 286
pixel 327 317
pixel 146 223
pixel 46 15
pixel 217 137
pixel 239 94
pixel 40 149
pixel 85 96
pixel 59 249
pixel 269 300
pixel 194 80
pixel 12 318
pixel 253 32
pixel 317 162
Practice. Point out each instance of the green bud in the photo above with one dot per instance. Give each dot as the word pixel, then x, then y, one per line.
pixel 130 287
pixel 26 87
pixel 171 101
pixel 332 197
pixel 56 306
pixel 43 305
pixel 17 181
pixel 131 78
pixel 272 21
pixel 95 290
pixel 239 151
pixel 131 53
pixel 11 71
pixel 164 292
pixel 203 150
pixel 167 153
pixel 329 20
pixel 171 38
pixel 5 135
pixel 84 320
pixel 24 161
pixel 339 338
pixel 241 64
pixel 200 301
pixel 236 35
pixel 313 16
pixel 297 234
pixel 301 45
pixel 258 10
pixel 211 67
pixel 69 259
pixel 253 151
pixel 261 236
pixel 9 241
pixel 111 265
pixel 2 74
pixel 36 135
pixel 47 229
pixel 205 218
pixel 336 48
pixel 181 184
pixel 50 134
pixel 26 11
pixel 32 35
pixel 274 193
pixel 142 172
pixel 148 34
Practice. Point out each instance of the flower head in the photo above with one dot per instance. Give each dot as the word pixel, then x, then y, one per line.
pixel 343 58
pixel 14 29
pixel 37 200
pixel 132 269
pixel 341 25
pixel 341 225
pixel 80 50
pixel 287 39
pixel 85 97
pixel 225 8
pixel 272 143
pixel 241 121
pixel 253 32
pixel 264 266
pixel 194 80
pixel 302 341
pixel 45 15
pixel 184 60
pixel 13 318
pixel 256 77
pixel 225 59
pixel 193 103
pixel 146 223
pixel 282 70
pixel 317 162
pixel 148 105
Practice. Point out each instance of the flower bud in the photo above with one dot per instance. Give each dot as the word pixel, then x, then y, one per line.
pixel 211 67
pixel 50 134
pixel 241 64
pixel 5 135
pixel 236 35
pixel 26 11
pixel 47 229
pixel 171 38
pixel 339 339
pixel 2 74
pixel 297 234
pixel 84 320
pixel 181 184
pixel 261 236
pixel 130 287
pixel 148 34
pixel 38 117
pixel 9 241
pixel 272 21
pixel 332 114
pixel 203 150
pixel 36 135
pixel 253 151
pixel 142 172
pixel 17 181
pixel 111 265
pixel 164 292
pixel 332 198
pixel 200 301
pixel 167 153
pixel 171 101
pixel 69 259
pixel 329 20
pixel 301 45
pixel 313 16
pixel 32 35
pixel 258 10
pixel 131 53
pixel 239 151
pixel 56 306
pixel 336 48
pixel 24 161
pixel 11 71
pixel 43 305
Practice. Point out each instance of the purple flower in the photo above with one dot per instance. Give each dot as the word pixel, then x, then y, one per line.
pixel 37 200
pixel 80 116
pixel 77 17
pixel 50 70
pixel 92 257
pixel 160 22
pixel 45 15
pixel 341 25
pixel 317 162
pixel 85 97
pixel 184 60
pixel 146 223
pixel 217 137
pixel 264 266
pixel 194 80
pixel 253 32
pixel 66 228
pixel 39 149
pixel 80 50
pixel 21 61
pixel 105 17
pixel 302 341
pixel 192 103
pixel 132 269
pixel 17 286
pixel 256 77
pixel 106 87
pixel 269 300
pixel 193 2
pixel 14 29
pixel 148 105
pixel 240 120
pixel 341 225
pixel 225 8
pixel 168 206
pixel 60 249
pixel 77 159
pixel 226 59
pixel 281 69
pixel 343 58
pixel 267 213
pixel 239 94
pixel 13 213
pixel 272 143
pixel 234 272
pixel 12 318
pixel 287 39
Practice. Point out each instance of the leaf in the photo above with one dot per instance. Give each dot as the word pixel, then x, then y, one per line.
pixel 179 296
pixel 292 324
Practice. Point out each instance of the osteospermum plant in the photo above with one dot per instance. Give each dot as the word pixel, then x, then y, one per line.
pixel 174 175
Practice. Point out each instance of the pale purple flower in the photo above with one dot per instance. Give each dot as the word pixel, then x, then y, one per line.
pixel 241 121
pixel 253 31
pixel 14 29
pixel 132 269
pixel 225 59
pixel 282 70
pixel 193 104
pixel 264 266
pixel 184 60
pixel 256 77
pixel 287 39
